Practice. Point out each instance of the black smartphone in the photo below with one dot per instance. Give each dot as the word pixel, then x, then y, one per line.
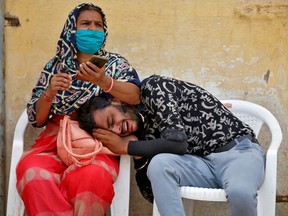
pixel 98 60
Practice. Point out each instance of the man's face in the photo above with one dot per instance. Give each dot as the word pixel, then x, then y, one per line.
pixel 114 119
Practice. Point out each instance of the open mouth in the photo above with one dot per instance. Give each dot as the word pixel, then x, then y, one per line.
pixel 125 127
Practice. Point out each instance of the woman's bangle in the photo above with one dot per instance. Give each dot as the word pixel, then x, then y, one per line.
pixel 111 85
pixel 46 98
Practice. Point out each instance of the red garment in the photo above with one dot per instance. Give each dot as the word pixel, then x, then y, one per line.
pixel 48 187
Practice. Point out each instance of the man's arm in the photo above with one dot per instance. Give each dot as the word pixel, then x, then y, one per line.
pixel 130 145
pixel 112 141
pixel 149 148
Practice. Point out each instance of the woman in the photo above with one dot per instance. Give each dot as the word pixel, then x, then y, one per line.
pixel 46 185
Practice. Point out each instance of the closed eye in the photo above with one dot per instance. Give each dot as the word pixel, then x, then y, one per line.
pixel 110 122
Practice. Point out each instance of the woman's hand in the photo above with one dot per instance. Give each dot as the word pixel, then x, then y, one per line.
pixel 59 82
pixel 124 91
pixel 114 142
pixel 90 72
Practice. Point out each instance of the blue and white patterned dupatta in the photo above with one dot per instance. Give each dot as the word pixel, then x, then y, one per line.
pixel 65 60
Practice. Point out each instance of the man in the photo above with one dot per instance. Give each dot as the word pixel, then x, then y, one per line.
pixel 189 138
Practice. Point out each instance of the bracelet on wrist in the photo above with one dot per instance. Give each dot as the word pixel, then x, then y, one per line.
pixel 141 167
pixel 111 85
pixel 46 98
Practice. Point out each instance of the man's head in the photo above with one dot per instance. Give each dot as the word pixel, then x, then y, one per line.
pixel 117 117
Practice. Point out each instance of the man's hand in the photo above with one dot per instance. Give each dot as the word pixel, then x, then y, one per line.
pixel 114 142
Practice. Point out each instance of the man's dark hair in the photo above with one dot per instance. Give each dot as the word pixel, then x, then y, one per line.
pixel 85 112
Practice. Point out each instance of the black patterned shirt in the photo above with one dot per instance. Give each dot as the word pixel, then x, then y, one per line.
pixel 182 111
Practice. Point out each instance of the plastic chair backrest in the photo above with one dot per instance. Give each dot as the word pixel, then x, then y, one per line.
pixel 255 116
pixel 15 206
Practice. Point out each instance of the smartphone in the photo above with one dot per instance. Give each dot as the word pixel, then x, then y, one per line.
pixel 98 60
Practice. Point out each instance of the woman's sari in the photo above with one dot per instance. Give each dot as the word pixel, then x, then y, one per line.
pixel 48 187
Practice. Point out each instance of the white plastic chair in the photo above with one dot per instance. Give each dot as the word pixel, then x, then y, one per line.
pixel 255 116
pixel 15 206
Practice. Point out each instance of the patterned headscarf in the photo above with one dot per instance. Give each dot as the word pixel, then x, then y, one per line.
pixel 66 47
pixel 66 61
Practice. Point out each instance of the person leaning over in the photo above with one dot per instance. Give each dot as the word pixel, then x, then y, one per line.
pixel 188 138
pixel 46 185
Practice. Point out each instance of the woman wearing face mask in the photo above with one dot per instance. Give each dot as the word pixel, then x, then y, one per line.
pixel 68 80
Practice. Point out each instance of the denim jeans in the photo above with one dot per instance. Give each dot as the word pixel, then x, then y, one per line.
pixel 239 171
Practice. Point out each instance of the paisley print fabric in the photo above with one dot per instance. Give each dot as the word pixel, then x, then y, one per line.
pixel 65 61
pixel 172 106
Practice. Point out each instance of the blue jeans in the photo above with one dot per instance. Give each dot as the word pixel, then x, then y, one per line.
pixel 240 171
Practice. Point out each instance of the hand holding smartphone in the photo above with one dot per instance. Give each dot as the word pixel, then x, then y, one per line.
pixel 98 60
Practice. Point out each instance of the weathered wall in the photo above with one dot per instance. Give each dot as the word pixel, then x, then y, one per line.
pixel 236 49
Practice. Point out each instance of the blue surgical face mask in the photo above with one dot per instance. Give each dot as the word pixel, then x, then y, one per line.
pixel 89 41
